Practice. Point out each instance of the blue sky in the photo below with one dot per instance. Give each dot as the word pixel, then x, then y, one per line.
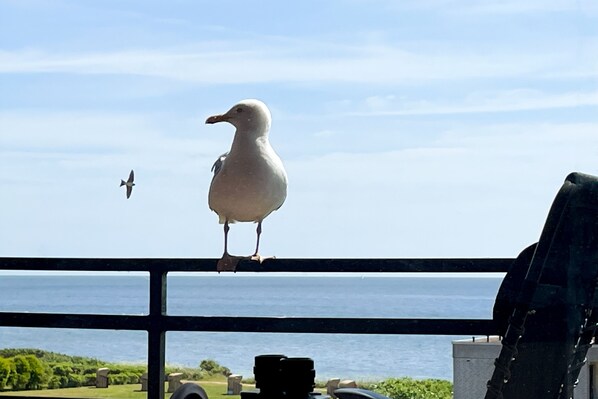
pixel 408 129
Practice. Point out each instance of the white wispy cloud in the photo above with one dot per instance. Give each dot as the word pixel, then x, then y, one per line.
pixel 49 131
pixel 477 102
pixel 527 7
pixel 495 6
pixel 284 61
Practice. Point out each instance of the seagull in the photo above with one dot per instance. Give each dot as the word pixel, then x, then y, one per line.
pixel 129 183
pixel 249 181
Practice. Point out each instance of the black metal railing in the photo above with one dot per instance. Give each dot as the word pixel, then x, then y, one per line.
pixel 157 322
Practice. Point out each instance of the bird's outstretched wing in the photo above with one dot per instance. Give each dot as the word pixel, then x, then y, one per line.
pixel 131 177
pixel 218 164
pixel 129 189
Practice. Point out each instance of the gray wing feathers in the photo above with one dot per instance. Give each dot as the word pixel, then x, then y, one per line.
pixel 218 164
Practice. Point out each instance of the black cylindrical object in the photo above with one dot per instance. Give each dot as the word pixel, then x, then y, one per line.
pixel 267 375
pixel 298 376
pixel 281 377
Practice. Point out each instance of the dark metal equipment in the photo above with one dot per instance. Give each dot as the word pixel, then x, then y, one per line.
pixel 281 377
pixel 189 390
pixel 546 307
pixel 357 393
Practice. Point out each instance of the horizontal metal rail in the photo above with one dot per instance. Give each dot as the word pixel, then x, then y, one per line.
pixel 415 265
pixel 157 322
pixel 302 325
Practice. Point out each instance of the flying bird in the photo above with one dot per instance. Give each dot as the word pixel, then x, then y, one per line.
pixel 249 180
pixel 129 183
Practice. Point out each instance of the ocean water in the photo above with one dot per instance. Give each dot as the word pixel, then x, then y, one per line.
pixel 335 355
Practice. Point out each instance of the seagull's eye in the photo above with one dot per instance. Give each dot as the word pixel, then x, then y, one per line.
pixel 239 110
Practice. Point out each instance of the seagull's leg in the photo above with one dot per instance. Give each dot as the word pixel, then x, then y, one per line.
pixel 256 256
pixel 257 244
pixel 227 263
pixel 226 229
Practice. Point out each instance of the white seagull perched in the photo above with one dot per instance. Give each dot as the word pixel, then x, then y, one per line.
pixel 249 181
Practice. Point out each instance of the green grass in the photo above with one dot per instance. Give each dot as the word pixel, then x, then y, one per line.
pixel 214 389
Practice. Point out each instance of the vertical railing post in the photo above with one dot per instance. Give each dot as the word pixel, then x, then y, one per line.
pixel 156 336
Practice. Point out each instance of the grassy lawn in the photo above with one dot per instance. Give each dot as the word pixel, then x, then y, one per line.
pixel 214 389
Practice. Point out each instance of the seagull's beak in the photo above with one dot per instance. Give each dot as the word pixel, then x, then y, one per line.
pixel 217 118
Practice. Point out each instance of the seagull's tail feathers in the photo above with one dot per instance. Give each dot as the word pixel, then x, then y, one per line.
pixel 122 183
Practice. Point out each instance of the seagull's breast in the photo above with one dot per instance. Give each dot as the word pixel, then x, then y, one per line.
pixel 250 185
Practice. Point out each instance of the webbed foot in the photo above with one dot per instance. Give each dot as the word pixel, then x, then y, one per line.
pixel 260 258
pixel 228 263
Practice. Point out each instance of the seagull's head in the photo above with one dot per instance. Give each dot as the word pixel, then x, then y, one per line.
pixel 246 115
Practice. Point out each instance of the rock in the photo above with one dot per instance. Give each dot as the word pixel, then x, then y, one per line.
pixel 102 377
pixel 234 384
pixel 174 381
pixel 331 386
